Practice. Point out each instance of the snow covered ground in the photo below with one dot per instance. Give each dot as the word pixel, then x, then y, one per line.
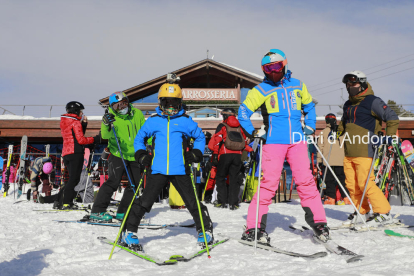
pixel 33 244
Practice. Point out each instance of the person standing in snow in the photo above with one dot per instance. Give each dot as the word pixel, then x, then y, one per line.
pixel 171 130
pixel 333 151
pixel 281 99
pixel 363 115
pixel 127 121
pixel 227 145
pixel 73 126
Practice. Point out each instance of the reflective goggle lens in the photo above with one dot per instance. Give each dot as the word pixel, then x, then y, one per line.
pixel 276 66
pixel 120 105
pixel 351 79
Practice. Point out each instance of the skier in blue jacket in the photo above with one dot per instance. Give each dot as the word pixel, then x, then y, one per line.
pixel 171 131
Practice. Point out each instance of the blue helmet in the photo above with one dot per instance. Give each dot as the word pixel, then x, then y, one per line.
pixel 275 55
pixel 119 101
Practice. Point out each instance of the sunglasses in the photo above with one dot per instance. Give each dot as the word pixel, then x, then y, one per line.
pixel 120 105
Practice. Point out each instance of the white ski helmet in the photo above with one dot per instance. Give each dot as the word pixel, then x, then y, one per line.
pixel 359 77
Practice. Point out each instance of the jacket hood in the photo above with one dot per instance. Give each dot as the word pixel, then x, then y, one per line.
pixel 358 98
pixel 285 78
pixel 180 113
pixel 232 121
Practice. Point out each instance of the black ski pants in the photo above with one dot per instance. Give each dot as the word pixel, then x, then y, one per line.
pixel 229 164
pixel 155 184
pixel 73 163
pixel 116 170
pixel 331 182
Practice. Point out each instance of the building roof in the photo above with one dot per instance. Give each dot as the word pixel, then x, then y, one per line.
pixel 206 73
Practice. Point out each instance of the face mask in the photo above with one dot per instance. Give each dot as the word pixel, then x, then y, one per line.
pixel 123 111
pixel 171 111
pixel 353 91
pixel 275 76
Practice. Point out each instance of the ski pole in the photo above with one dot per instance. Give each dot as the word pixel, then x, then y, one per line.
pixel 89 175
pixel 126 214
pixel 370 170
pixel 342 187
pixel 199 212
pixel 132 186
pixel 326 170
pixel 208 178
pixel 258 195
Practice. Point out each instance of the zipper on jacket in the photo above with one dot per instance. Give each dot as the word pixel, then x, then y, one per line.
pixel 129 133
pixel 290 124
pixel 283 100
pixel 136 132
pixel 270 131
pixel 168 144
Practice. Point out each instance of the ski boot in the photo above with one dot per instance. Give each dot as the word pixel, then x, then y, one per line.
pixel 234 207
pixel 100 217
pixel 119 216
pixel 69 207
pixel 329 201
pixel 354 219
pixel 209 237
pixel 220 205
pixel 321 233
pixel 262 237
pixel 208 197
pixel 377 220
pixel 130 240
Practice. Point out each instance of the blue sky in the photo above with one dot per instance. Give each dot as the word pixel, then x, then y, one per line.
pixel 53 52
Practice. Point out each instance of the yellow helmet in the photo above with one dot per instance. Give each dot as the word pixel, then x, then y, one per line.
pixel 168 90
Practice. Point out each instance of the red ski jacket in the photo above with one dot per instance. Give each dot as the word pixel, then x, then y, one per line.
pixel 216 143
pixel 72 132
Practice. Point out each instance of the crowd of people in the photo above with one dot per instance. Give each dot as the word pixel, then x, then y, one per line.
pixel 163 148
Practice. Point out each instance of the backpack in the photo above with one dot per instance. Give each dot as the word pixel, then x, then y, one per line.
pixel 234 140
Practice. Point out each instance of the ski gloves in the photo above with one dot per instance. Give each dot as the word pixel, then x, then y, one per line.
pixel 108 118
pixel 307 130
pixel 143 157
pixel 193 156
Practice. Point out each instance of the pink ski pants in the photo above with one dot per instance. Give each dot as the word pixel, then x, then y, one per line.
pixel 273 158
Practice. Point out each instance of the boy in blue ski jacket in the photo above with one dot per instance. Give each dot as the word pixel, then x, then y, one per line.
pixel 171 130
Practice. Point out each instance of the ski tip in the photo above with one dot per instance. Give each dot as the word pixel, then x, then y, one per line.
pixel 170 262
pixel 355 259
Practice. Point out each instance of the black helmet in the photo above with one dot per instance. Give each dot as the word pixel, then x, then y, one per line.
pixel 74 107
pixel 228 112
pixel 330 118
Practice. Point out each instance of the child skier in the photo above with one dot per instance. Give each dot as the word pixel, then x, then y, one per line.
pixel 41 165
pixel 227 145
pixel 171 130
pixel 73 126
pixel 127 121
pixel 281 99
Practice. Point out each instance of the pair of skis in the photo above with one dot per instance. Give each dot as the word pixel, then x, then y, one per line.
pixel 174 259
pixel 332 246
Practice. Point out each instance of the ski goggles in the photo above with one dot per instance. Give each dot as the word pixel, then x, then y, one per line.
pixel 275 66
pixel 167 102
pixel 350 79
pixel 120 105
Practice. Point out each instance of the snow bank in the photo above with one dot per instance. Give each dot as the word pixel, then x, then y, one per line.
pixel 33 244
